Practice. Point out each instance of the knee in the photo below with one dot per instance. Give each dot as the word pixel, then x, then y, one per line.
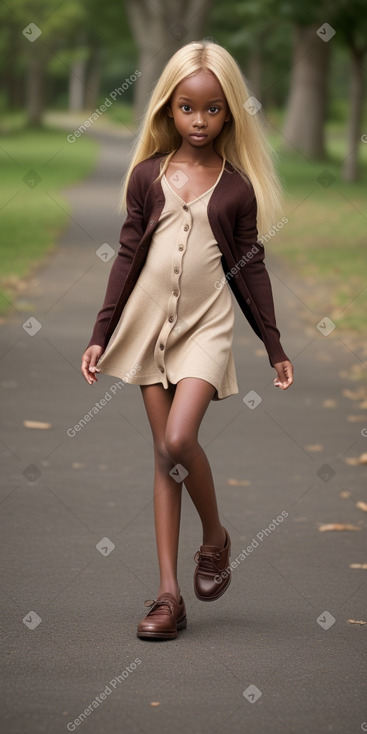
pixel 180 446
pixel 162 457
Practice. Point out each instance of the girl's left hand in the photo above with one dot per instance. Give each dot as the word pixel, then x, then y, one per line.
pixel 285 374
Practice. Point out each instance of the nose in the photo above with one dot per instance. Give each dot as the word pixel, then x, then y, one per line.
pixel 199 121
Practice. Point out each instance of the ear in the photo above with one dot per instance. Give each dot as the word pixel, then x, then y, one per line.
pixel 169 110
pixel 228 117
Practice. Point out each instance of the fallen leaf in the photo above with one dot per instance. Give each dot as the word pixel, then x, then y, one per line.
pixel 238 482
pixel 37 424
pixel 345 495
pixel 155 703
pixel 362 506
pixel 338 526
pixel 76 465
pixel 314 447
pixel 362 459
pixel 354 394
pixel 356 418
pixel 352 460
pixel 358 565
pixel 356 621
pixel 329 403
pixel 363 405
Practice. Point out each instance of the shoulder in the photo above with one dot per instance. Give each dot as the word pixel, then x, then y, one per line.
pixel 234 194
pixel 148 169
pixel 237 180
pixel 143 175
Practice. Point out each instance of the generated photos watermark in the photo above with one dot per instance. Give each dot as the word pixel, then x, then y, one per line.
pixel 251 547
pixel 111 97
pixel 110 687
pixel 100 404
pixel 250 254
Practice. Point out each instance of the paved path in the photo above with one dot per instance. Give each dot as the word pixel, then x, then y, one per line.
pixel 62 495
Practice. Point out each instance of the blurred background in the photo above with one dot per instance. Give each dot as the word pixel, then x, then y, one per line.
pixel 83 66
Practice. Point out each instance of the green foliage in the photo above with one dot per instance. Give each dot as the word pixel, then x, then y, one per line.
pixel 70 31
pixel 33 212
pixel 324 239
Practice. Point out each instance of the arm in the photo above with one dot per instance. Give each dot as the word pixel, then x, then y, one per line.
pixel 130 236
pixel 251 254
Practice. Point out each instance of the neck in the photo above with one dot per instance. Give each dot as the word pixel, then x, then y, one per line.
pixel 198 156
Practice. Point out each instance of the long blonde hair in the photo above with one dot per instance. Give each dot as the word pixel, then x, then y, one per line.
pixel 242 140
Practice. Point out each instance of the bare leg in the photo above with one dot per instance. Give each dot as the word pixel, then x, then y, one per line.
pixel 175 421
pixel 167 492
pixel 191 400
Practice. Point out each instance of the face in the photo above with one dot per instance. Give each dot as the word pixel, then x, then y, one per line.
pixel 199 108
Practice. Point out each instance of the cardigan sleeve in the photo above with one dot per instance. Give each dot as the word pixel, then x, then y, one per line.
pixel 251 254
pixel 130 236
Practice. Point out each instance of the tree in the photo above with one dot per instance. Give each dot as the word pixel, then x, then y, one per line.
pixel 39 29
pixel 304 127
pixel 351 26
pixel 305 120
pixel 159 29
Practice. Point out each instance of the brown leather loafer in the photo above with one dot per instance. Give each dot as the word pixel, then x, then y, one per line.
pixel 212 574
pixel 164 619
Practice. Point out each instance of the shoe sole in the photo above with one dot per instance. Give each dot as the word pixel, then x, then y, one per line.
pixel 182 624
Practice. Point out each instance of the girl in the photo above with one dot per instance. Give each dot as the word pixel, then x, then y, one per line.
pixel 200 182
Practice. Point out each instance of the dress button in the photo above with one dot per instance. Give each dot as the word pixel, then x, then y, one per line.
pixel 186 208
pixel 161 346
pixel 175 293
pixel 248 300
pixel 180 247
pixel 171 319
pixel 176 270
pixel 161 369
pixel 151 222
pixel 186 227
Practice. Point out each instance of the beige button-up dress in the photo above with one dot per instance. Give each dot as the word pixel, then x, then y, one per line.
pixel 178 321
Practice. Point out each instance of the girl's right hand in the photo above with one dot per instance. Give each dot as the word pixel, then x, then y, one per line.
pixel 89 361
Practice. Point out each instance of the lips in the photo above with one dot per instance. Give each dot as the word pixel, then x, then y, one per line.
pixel 200 136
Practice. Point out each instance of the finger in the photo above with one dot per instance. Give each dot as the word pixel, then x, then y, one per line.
pixel 90 378
pixel 288 379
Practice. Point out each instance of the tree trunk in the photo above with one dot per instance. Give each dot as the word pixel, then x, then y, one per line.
pixel 35 90
pixel 77 85
pixel 159 31
pixel 350 166
pixel 14 91
pixel 93 82
pixel 305 119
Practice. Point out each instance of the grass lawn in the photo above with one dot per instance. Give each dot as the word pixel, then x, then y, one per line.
pixel 324 241
pixel 35 166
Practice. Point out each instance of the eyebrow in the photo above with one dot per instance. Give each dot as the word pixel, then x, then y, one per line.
pixel 210 101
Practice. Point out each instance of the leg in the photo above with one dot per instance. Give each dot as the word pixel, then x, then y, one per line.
pixel 167 492
pixel 191 400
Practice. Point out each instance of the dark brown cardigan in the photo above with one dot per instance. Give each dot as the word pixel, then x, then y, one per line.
pixel 232 215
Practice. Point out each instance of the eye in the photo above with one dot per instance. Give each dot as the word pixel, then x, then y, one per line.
pixel 213 109
pixel 185 107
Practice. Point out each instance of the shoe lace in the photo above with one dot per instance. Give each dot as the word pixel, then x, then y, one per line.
pixel 156 606
pixel 207 560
